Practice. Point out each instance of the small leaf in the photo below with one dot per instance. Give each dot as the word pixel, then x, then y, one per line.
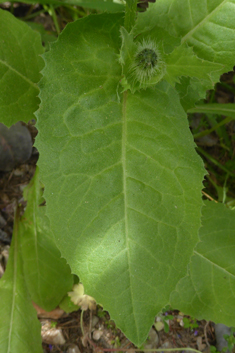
pixel 67 305
pixel 166 327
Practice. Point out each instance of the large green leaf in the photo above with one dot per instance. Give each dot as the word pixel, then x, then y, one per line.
pixel 47 275
pixel 20 330
pixel 20 65
pixel 122 179
pixel 208 291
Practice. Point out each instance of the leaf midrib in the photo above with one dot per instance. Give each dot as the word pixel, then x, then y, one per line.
pixel 124 145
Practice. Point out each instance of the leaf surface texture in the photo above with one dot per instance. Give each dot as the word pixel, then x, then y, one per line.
pixel 20 330
pixel 20 65
pixel 47 275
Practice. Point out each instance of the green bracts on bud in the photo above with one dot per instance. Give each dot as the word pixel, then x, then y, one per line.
pixel 142 61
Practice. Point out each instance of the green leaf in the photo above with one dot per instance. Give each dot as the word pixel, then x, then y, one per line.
pixel 183 62
pixel 20 65
pixel 20 330
pixel 124 172
pixel 67 305
pixel 215 108
pixel 47 275
pixel 190 90
pixel 208 290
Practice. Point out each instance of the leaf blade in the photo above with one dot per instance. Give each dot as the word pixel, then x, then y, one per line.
pixel 121 188
pixel 47 275
pixel 19 326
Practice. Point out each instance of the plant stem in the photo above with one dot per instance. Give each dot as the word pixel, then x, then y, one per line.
pixel 130 14
pixel 132 350
pixel 32 15
pixel 208 131
pixel 81 322
pixel 215 161
pixel 53 15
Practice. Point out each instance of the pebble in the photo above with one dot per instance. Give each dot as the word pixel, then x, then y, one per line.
pixel 95 321
pixel 51 335
pixel 73 349
pixel 220 331
pixel 97 334
pixel 4 237
pixel 2 221
pixel 152 341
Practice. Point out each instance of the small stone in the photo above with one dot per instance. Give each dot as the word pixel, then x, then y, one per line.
pixel 73 349
pixel 1 271
pixel 152 341
pixel 15 146
pixel 95 321
pixel 4 237
pixel 220 331
pixel 166 344
pixel 2 221
pixel 97 335
pixel 51 335
pixel 5 254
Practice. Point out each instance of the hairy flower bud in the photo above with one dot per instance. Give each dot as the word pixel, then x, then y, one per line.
pixel 142 62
